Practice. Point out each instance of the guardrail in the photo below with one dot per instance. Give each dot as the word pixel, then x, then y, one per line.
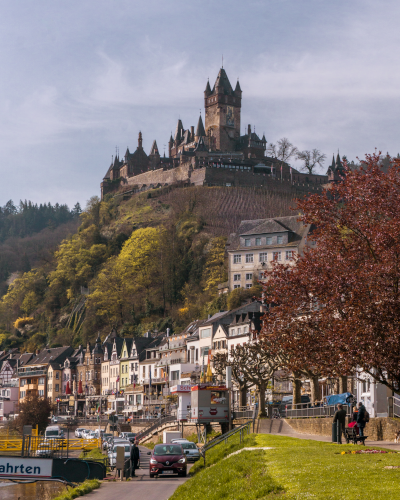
pixel 38 446
pixel 306 410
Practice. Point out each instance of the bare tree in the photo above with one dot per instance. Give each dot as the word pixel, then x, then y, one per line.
pixel 221 361
pixel 283 150
pixel 310 160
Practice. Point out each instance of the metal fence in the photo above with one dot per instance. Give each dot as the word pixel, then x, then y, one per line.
pixel 38 446
pixel 306 410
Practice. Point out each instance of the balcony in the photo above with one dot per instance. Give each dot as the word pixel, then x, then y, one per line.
pixel 32 387
pixel 171 361
pixel 158 380
pixel 31 373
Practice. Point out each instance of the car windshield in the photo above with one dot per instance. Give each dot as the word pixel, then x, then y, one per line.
pixel 130 434
pixel 167 449
pixel 189 446
pixel 51 433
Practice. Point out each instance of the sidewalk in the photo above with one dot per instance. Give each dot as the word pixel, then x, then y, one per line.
pixel 281 427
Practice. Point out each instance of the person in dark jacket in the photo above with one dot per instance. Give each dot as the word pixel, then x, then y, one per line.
pixel 135 455
pixel 340 416
pixel 361 419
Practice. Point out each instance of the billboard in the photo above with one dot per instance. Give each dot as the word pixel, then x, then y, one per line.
pixel 20 467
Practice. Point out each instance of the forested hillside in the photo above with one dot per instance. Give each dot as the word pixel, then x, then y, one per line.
pixel 151 261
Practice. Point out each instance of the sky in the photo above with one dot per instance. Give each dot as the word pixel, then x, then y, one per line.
pixel 79 79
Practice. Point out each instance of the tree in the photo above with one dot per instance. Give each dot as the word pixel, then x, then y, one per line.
pixel 34 411
pixel 310 160
pixel 345 289
pixel 282 151
pixel 220 362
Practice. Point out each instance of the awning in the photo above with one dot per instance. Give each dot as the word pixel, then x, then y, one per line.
pixel 108 412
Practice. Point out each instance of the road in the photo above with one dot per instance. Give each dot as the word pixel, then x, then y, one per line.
pixel 139 487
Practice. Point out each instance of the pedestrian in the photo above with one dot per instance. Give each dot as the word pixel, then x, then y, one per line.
pixel 361 418
pixel 340 416
pixel 135 455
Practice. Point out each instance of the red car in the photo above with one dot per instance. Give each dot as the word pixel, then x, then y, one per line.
pixel 168 459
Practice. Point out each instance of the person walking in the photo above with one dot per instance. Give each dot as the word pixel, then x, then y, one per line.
pixel 340 416
pixel 361 419
pixel 135 455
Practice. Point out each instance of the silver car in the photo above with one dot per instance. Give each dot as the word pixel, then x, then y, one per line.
pixel 112 454
pixel 191 451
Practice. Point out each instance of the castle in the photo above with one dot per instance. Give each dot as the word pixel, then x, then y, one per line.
pixel 215 154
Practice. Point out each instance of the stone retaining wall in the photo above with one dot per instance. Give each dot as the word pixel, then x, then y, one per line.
pixel 377 429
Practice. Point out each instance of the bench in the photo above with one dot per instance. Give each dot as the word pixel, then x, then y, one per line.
pixel 350 434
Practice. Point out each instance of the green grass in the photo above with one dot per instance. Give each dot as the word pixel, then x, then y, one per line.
pixel 86 487
pixel 295 469
pixel 94 454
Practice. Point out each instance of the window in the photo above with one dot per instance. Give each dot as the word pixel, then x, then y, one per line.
pixel 206 333
pixel 247 242
pixel 249 258
pixel 289 254
pixel 280 240
pixel 263 257
pixel 237 277
pixel 239 331
pixel 249 276
pixel 245 329
pixel 236 286
pixel 144 371
pixel 139 399
pixel 204 351
pixel 136 366
pixel 57 388
pixel 237 259
pixel 258 242
pixel 41 381
pixel 277 256
pixel 233 332
pixel 132 367
pixel 269 240
pixel 197 354
pixel 175 375
pixel 249 285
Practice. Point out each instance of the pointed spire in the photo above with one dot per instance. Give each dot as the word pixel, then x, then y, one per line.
pixel 200 132
pixel 222 83
pixel 338 161
pixel 179 131
pixel 237 88
pixel 140 141
pixel 208 88
pixel 333 162
pixel 171 139
pixel 154 148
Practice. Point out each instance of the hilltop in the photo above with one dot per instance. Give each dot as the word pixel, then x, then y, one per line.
pixel 145 261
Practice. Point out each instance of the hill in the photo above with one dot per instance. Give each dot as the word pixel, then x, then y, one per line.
pixel 149 261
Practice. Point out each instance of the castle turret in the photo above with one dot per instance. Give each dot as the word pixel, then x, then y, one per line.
pixel 140 141
pixel 207 92
pixel 200 132
pixel 179 132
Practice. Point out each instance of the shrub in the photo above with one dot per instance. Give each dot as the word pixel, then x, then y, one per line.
pixel 21 322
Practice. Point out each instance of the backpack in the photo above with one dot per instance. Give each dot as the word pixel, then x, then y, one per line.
pixel 366 416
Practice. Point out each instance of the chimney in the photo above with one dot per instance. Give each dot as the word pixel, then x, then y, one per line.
pixel 249 130
pixel 192 133
pixel 168 330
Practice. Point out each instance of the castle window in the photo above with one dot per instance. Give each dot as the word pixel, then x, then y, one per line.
pixel 280 240
pixel 263 257
pixel 237 259
pixel 258 241
pixel 236 277
pixel 247 242
pixel 249 276
pixel 249 258
pixel 269 240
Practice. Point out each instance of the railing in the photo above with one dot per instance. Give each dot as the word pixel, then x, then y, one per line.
pixel 38 446
pixel 306 410
pixel 171 361
pixel 31 373
pixel 393 406
pixel 154 426
pixel 242 430
pixel 243 412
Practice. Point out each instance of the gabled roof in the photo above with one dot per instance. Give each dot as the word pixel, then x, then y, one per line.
pixel 154 148
pixel 128 343
pixel 54 355
pixel 266 226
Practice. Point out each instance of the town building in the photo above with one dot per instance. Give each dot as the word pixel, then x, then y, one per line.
pixel 260 242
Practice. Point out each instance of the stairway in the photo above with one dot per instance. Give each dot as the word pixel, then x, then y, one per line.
pixel 273 426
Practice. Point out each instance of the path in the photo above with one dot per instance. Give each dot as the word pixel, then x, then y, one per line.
pixel 140 487
pixel 278 426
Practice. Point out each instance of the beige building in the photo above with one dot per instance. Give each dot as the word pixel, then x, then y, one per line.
pixel 54 381
pixel 260 242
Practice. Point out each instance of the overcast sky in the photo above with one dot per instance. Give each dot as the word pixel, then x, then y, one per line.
pixel 80 78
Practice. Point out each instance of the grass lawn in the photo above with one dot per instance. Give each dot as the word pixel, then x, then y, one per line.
pixel 294 469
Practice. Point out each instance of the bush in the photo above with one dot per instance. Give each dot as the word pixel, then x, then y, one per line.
pixel 21 322
pixel 86 487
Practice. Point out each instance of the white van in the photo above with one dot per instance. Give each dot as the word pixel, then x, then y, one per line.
pixel 53 432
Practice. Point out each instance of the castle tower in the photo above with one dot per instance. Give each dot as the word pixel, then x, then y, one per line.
pixel 222 107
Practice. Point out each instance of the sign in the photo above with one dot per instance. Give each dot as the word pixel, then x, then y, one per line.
pixel 25 467
pixel 180 388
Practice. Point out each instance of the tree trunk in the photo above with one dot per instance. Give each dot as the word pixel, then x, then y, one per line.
pixel 315 389
pixel 342 385
pixel 296 388
pixel 261 399
pixel 242 397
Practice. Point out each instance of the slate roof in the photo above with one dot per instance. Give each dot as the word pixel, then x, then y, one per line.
pixel 54 355
pixel 222 81
pixel 154 148
pixel 200 132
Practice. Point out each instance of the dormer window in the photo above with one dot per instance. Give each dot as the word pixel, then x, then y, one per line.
pixel 280 240
pixel 269 240
pixel 247 242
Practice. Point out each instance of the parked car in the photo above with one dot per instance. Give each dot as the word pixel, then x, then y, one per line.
pixel 112 454
pixel 180 440
pixel 54 432
pixel 130 436
pixel 191 451
pixel 167 459
pixel 78 432
pixel 45 449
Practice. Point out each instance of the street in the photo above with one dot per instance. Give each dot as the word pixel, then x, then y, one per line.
pixel 149 489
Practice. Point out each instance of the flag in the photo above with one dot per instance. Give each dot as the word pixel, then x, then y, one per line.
pixel 134 381
pixel 118 378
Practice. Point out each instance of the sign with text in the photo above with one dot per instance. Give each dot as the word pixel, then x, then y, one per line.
pixel 25 467
pixel 180 388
